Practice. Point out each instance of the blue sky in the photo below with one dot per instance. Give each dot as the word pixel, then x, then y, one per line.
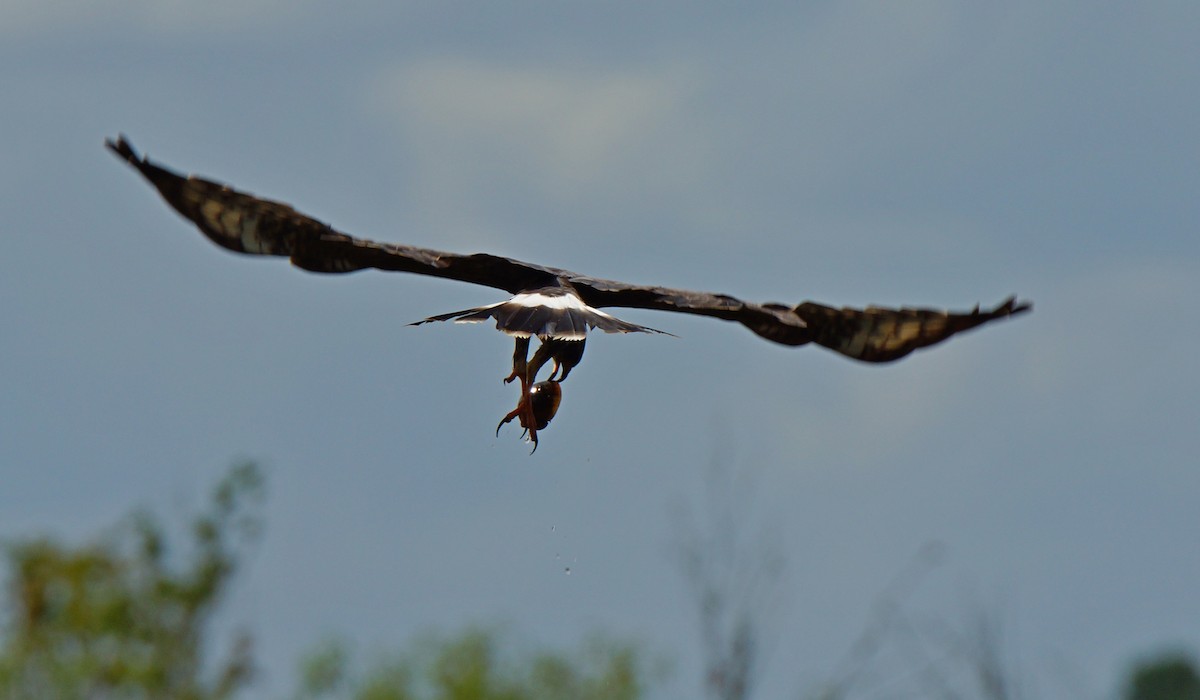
pixel 928 153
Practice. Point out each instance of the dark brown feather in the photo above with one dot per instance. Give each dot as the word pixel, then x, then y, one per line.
pixel 883 335
pixel 247 224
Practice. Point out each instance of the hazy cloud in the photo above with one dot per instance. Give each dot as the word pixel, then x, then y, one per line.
pixel 169 16
pixel 566 133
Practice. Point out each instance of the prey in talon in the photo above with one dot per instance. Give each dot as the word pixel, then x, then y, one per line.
pixel 536 411
pixel 560 320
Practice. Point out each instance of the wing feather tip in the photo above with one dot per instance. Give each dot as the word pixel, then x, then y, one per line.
pixel 123 149
pixel 1009 307
pixel 1018 307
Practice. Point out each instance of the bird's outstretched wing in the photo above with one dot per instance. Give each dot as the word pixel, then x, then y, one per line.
pixel 247 224
pixel 874 334
pixel 883 335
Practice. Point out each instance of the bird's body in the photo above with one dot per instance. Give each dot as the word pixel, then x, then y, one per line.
pixel 557 306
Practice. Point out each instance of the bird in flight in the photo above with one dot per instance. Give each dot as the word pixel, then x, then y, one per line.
pixel 557 306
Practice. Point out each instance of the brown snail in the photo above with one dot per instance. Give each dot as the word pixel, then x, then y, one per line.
pixel 544 398
pixel 536 412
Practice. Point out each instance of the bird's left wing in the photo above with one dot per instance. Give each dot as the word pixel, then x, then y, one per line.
pixel 876 334
pixel 247 224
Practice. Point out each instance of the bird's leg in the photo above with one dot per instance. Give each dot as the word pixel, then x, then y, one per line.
pixel 520 371
pixel 566 354
pixel 547 393
pixel 528 417
pixel 559 367
pixel 520 353
pixel 544 354
pixel 526 372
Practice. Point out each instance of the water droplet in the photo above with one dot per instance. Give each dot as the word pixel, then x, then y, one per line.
pixel 568 571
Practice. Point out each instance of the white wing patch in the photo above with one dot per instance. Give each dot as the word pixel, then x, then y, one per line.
pixel 551 313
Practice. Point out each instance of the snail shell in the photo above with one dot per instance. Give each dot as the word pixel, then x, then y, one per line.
pixel 544 398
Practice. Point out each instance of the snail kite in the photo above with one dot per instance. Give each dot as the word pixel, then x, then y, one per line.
pixel 557 306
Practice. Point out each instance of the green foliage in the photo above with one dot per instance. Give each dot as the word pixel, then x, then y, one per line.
pixel 117 618
pixel 125 618
pixel 471 666
pixel 1171 677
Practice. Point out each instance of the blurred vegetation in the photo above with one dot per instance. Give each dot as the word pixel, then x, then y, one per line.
pixel 475 666
pixel 1168 677
pixel 127 616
